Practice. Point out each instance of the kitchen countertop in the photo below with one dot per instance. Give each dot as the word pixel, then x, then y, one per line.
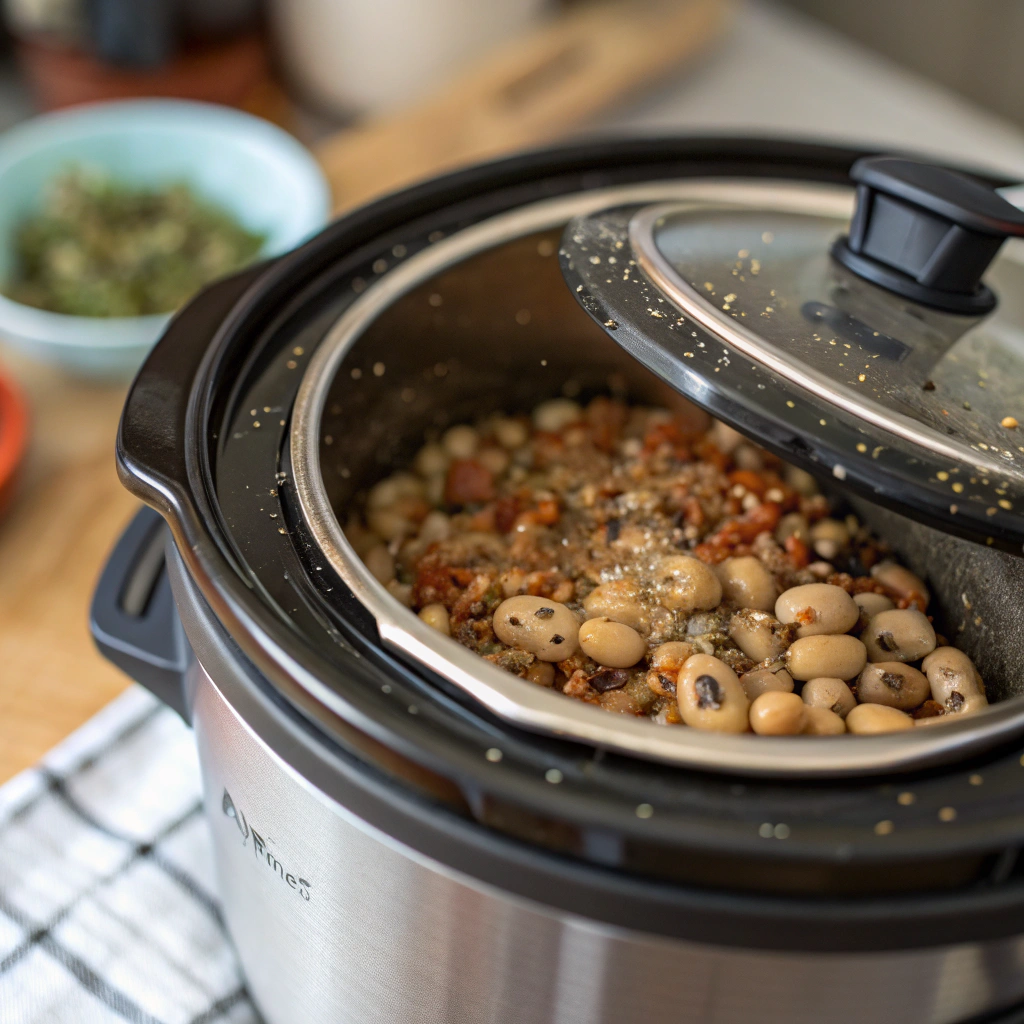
pixel 775 73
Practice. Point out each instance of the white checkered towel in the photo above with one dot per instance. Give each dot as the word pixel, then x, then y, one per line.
pixel 108 910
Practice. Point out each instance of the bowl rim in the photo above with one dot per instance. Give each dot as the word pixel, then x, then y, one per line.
pixel 43 326
pixel 13 432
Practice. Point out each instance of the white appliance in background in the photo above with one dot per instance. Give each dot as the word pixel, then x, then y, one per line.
pixel 354 56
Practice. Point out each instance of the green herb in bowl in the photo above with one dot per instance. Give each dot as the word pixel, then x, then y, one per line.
pixel 100 247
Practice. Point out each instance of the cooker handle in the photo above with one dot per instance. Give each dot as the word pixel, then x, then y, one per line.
pixel 150 450
pixel 133 618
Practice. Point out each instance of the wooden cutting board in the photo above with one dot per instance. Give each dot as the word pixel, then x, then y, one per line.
pixel 70 508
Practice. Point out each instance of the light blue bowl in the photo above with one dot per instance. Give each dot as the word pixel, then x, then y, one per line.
pixel 258 172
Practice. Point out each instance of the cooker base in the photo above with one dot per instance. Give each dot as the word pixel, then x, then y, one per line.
pixel 336 922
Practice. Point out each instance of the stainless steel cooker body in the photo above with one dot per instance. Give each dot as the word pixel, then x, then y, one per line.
pixel 388 848
pixel 337 923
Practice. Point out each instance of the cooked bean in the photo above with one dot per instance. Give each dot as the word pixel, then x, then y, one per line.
pixel 538 625
pixel 903 634
pixel 379 561
pixel 764 680
pixel 618 600
pixel 829 537
pixel 401 592
pixel 388 491
pixel 746 583
pixel 821 570
pixel 892 683
pixel 620 701
pixel 801 481
pixel 725 438
pixel 793 524
pixel 903 583
pixel 433 488
pixel 710 696
pixel 461 442
pixel 432 459
pixel 511 433
pixel 611 643
pixel 871 604
pixel 556 414
pixel 671 657
pixel 435 526
pixel 436 616
pixel 833 694
pixel 493 459
pixel 954 681
pixel 542 673
pixel 389 524
pixel 817 608
pixel 759 635
pixel 822 722
pixel 687 584
pixel 777 714
pixel 837 656
pixel 866 719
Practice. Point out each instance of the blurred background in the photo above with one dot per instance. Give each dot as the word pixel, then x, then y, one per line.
pixel 319 105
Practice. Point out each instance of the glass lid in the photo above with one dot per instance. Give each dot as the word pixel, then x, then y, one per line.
pixel 858 342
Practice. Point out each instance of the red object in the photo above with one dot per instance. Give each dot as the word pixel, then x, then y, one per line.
pixel 230 73
pixel 13 437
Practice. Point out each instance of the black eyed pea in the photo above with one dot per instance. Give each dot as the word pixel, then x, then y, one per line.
pixel 725 438
pixel 902 634
pixel 764 680
pixel 837 656
pixel 433 489
pixel 894 684
pixel 759 635
pixel 954 681
pixel 611 643
pixel 436 616
pixel 829 693
pixel 801 481
pixel 432 460
pixel 542 673
pixel 671 656
pixel 776 713
pixel 556 414
pixel 618 600
pixel 493 459
pixel 829 537
pixel 710 696
pixel 746 583
pixel 436 526
pixel 379 561
pixel 817 608
pixel 393 489
pixel 867 719
pixel 687 584
pixel 460 442
pixel 792 524
pixel 401 592
pixel 872 604
pixel 902 582
pixel 511 433
pixel 538 625
pixel 822 722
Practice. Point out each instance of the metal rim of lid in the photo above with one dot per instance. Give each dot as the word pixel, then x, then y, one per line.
pixel 692 303
pixel 534 708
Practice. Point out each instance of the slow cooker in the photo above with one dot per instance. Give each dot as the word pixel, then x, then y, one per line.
pixel 403 832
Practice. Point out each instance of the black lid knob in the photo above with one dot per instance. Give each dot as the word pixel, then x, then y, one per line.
pixel 926 233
